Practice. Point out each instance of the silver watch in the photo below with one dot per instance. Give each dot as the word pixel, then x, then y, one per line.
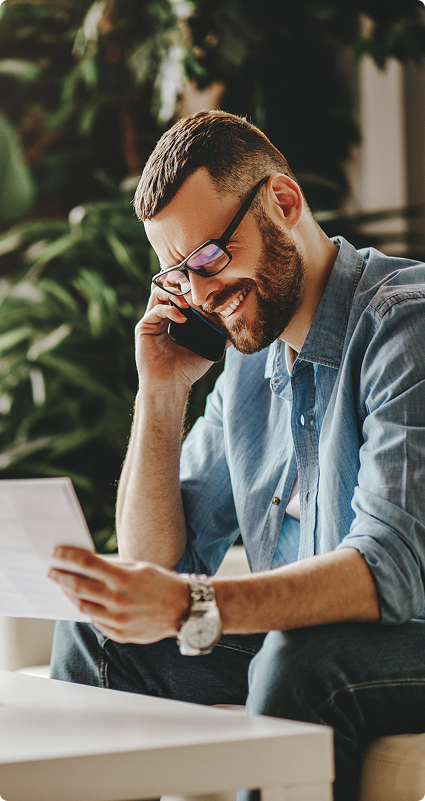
pixel 202 629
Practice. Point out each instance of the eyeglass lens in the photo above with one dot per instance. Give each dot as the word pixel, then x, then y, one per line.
pixel 207 260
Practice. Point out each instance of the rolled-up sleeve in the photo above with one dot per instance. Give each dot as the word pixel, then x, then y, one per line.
pixel 389 501
pixel 206 490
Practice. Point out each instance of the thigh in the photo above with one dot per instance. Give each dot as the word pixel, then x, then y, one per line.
pixel 363 680
pixel 83 655
pixel 372 673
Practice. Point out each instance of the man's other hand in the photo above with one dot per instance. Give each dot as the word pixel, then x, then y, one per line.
pixel 128 602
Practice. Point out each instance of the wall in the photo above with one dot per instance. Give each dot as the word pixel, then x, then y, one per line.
pixel 387 171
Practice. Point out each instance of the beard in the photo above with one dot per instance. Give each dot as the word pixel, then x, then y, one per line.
pixel 278 289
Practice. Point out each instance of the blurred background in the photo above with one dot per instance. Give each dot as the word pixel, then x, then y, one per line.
pixel 86 89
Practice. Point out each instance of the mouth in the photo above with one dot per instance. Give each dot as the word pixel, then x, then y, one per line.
pixel 233 305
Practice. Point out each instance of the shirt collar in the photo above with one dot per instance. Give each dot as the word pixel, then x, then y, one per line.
pixel 325 340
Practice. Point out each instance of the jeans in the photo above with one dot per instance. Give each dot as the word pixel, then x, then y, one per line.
pixel 363 679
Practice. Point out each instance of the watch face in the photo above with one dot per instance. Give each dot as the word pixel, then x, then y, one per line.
pixel 202 632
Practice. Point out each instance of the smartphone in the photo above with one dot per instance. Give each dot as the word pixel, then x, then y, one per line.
pixel 198 335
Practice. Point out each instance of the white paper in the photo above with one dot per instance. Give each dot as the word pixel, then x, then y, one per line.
pixel 35 516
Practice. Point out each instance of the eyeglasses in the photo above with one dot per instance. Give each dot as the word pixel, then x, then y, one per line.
pixel 207 260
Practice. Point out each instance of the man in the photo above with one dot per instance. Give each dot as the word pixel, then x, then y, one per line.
pixel 323 394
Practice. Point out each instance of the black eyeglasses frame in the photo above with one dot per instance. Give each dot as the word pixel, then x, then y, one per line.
pixel 221 242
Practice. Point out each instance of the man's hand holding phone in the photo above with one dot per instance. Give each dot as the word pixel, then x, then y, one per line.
pixel 173 341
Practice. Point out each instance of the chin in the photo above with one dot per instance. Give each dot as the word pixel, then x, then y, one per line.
pixel 248 341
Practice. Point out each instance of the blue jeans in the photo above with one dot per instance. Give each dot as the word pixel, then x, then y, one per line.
pixel 363 679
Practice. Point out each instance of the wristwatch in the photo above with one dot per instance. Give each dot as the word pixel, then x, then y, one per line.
pixel 202 628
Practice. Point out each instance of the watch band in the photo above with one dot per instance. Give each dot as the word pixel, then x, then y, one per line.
pixel 201 630
pixel 201 588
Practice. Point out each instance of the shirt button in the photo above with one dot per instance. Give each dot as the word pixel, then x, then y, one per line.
pixel 276 500
pixel 302 420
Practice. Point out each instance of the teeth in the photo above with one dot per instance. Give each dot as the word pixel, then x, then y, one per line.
pixel 234 304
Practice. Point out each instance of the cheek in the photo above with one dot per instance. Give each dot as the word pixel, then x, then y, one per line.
pixel 243 265
pixel 247 251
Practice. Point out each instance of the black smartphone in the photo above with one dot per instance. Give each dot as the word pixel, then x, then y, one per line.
pixel 198 335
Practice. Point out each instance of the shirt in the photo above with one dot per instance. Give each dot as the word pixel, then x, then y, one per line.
pixel 349 420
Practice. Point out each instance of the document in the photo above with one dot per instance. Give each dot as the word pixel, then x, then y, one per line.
pixel 35 516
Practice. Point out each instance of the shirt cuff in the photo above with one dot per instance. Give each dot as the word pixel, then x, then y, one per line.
pixel 395 553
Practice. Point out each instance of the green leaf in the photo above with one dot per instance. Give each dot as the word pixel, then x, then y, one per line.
pixel 89 72
pixel 65 443
pixel 51 251
pixel 49 342
pixel 88 118
pixel 9 242
pixel 24 450
pixel 92 20
pixel 19 68
pixel 13 338
pixel 78 375
pixel 45 469
pixel 59 293
pixel 140 61
pixel 122 254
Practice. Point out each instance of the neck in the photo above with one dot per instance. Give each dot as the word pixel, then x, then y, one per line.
pixel 319 258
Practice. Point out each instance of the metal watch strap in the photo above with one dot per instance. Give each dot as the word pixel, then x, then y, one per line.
pixel 202 605
pixel 201 588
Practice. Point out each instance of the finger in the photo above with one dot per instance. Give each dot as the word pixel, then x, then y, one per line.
pixel 110 593
pixel 161 296
pixel 121 633
pixel 79 586
pixel 110 624
pixel 152 322
pixel 111 633
pixel 90 609
pixel 90 563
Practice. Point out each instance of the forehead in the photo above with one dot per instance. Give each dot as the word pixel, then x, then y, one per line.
pixel 196 213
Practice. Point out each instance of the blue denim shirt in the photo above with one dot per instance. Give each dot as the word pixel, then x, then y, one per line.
pixel 350 420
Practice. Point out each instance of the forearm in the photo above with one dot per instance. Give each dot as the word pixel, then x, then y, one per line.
pixel 143 603
pixel 150 518
pixel 334 587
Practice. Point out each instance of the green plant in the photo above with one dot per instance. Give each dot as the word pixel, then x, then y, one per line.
pixel 91 85
pixel 67 377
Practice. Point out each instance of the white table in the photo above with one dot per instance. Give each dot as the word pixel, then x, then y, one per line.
pixel 77 743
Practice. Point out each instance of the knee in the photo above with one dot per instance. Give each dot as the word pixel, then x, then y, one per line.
pixel 75 653
pixel 291 674
pixel 273 673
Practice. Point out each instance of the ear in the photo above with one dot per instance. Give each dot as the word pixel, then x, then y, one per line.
pixel 284 199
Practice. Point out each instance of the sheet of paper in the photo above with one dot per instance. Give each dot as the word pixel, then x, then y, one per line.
pixel 35 516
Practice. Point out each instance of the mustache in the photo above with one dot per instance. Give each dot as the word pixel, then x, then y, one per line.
pixel 227 293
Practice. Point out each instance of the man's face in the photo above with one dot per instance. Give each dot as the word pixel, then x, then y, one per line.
pixel 277 290
pixel 256 296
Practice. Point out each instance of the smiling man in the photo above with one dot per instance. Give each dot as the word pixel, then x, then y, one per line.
pixel 311 447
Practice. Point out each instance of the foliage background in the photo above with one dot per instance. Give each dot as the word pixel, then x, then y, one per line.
pixel 89 88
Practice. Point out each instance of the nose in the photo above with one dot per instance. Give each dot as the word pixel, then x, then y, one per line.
pixel 202 288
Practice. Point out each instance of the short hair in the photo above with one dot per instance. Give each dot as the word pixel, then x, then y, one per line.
pixel 235 153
